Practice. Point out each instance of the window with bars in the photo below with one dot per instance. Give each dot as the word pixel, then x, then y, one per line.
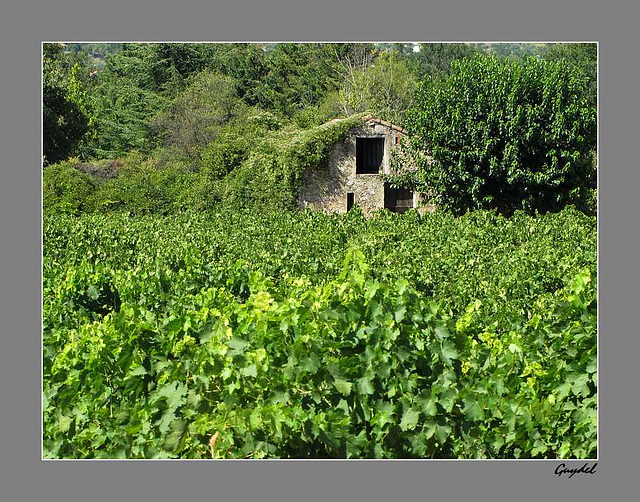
pixel 369 155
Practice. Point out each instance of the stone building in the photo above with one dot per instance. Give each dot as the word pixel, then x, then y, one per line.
pixel 353 173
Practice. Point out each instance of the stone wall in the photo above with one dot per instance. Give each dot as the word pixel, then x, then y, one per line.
pixel 326 189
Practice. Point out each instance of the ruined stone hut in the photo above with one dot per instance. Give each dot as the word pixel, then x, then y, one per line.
pixel 352 175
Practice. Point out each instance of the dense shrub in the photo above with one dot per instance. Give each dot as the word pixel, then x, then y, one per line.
pixel 146 189
pixel 65 189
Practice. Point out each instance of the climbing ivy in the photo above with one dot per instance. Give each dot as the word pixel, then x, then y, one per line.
pixel 271 176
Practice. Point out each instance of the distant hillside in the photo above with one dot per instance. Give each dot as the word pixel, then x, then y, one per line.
pixel 97 52
pixel 517 49
pixel 513 49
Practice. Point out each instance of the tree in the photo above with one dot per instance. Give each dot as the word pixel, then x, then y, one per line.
pixel 65 119
pixel 57 64
pixel 193 120
pixel 503 134
pixel 434 59
pixel 242 62
pixel 350 62
pixel 79 90
pixel 131 96
pixel 384 88
pixel 582 57
pixel 136 84
pixel 123 113
pixel 63 125
pixel 159 68
pixel 297 76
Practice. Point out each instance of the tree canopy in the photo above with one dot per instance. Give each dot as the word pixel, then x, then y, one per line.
pixel 66 112
pixel 583 57
pixel 503 134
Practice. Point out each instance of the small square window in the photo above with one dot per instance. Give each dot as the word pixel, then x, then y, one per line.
pixel 369 155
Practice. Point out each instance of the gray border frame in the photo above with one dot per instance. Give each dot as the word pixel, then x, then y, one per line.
pixel 25 25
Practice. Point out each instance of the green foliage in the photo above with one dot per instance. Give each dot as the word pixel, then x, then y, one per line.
pixel 300 334
pixel 434 60
pixel 180 95
pixel 271 176
pixel 66 113
pixel 250 164
pixel 157 68
pixel 503 134
pixel 385 88
pixel 156 337
pixel 195 117
pixel 245 64
pixel 94 50
pixel 65 189
pixel 136 84
pixel 223 156
pixel 57 65
pixel 142 187
pixel 297 76
pixel 584 59
pixel 63 125
pixel 514 50
pixel 123 119
pixel 229 150
pixel 79 90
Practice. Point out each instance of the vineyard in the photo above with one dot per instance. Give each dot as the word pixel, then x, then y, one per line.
pixel 304 335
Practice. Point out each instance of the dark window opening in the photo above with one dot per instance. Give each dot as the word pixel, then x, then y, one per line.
pixel 397 200
pixel 350 200
pixel 369 154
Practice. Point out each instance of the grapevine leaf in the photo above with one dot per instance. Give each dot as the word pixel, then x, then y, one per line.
pixel 176 432
pixel 430 408
pixel 343 386
pixel 255 419
pixel 472 410
pixel 175 325
pixel 419 444
pixel 448 398
pixel 174 392
pixel 442 433
pixel 249 370
pixel 580 386
pixel 310 364
pixel 92 292
pixel 236 346
pixel 139 370
pixel 165 420
pixel 409 419
pixel 384 414
pixel 449 352
pixel 364 386
pixel 442 332
pixel 399 313
pixel 64 422
pixel 538 447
